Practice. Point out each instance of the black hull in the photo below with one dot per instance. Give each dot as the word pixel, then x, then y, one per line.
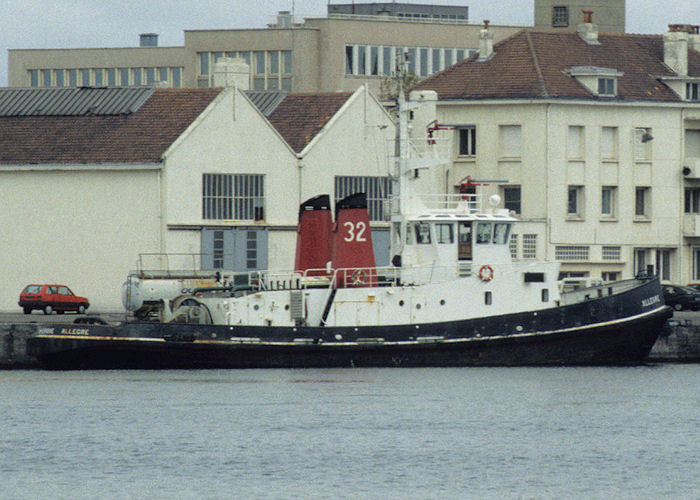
pixel 625 342
pixel 607 330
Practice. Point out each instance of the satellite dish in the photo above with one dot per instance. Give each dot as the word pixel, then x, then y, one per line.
pixel 494 200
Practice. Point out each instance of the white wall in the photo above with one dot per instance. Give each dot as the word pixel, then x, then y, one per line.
pixel 82 227
pixel 545 170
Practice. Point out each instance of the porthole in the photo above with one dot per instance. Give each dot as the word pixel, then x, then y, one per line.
pixel 417 306
pixel 442 302
pixel 256 307
pixel 401 303
pixel 286 307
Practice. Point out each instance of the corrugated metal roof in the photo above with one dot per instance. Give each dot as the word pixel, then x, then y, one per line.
pixel 72 101
pixel 266 100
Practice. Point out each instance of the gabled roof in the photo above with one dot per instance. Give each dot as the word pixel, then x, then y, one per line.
pixel 135 125
pixel 534 64
pixel 300 117
pixel 133 136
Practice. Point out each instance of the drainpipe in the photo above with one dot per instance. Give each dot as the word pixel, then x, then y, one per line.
pixel 300 168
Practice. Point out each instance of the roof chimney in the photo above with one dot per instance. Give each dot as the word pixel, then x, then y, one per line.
pixel 229 72
pixel 485 42
pixel 676 48
pixel 148 40
pixel 588 31
pixel 694 38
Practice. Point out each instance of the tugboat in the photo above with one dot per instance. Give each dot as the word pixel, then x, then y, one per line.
pixel 452 297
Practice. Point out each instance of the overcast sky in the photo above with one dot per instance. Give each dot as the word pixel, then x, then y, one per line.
pixel 27 24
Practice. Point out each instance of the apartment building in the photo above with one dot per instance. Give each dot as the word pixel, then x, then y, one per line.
pixel 595 146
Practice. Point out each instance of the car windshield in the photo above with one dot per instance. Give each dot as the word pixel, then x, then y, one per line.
pixel 32 289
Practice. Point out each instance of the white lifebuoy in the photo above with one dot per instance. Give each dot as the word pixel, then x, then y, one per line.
pixel 358 277
pixel 486 273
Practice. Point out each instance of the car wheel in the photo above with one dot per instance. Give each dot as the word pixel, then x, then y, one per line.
pixel 678 307
pixel 81 309
pixel 48 309
pixel 27 310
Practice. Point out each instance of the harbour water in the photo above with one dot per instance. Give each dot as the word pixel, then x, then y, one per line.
pixel 352 433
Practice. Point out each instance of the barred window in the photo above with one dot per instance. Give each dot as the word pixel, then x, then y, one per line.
pixel 569 253
pixel 233 196
pixel 529 246
pixel 611 253
pixel 513 246
pixel 377 189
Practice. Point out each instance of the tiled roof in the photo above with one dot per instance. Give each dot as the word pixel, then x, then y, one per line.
pixel 300 117
pixel 141 136
pixel 533 64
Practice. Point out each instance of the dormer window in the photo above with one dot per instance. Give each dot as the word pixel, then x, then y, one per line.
pixel 599 81
pixel 606 87
pixel 692 91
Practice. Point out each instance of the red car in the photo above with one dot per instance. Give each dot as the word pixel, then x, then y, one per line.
pixel 50 298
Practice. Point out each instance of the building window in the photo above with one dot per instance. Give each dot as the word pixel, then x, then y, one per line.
pixel 571 253
pixel 640 261
pixel 233 196
pixel 377 189
pixel 642 144
pixel 692 201
pixel 609 276
pixel 575 142
pixel 378 60
pixel 611 253
pixel 696 264
pixel 529 246
pixel 560 16
pixel 608 201
pixel 663 264
pixel 641 202
pixel 575 201
pixel 467 141
pixel 692 143
pixel 606 86
pixel 510 141
pixel 511 198
pixel 608 143
pixel 692 91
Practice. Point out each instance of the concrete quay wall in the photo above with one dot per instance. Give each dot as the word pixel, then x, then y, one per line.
pixel 679 343
pixel 13 346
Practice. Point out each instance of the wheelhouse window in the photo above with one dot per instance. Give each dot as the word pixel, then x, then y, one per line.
pixel 233 196
pixel 500 233
pixel 422 232
pixel 483 232
pixel 444 233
